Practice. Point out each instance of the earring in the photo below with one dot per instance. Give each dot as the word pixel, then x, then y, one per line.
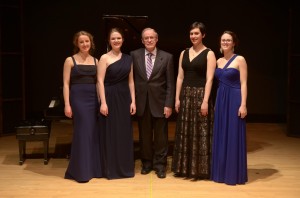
pixel 221 50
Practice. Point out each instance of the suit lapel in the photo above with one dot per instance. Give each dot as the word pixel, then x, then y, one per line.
pixel 157 63
pixel 141 62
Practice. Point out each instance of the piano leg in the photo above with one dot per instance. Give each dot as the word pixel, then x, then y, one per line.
pixel 22 150
pixel 46 145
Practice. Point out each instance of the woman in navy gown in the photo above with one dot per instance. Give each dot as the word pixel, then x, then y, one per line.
pixel 81 104
pixel 229 153
pixel 117 105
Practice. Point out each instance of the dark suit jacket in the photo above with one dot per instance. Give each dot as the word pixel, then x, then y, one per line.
pixel 160 88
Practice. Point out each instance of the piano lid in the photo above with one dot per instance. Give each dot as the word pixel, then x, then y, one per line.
pixel 132 27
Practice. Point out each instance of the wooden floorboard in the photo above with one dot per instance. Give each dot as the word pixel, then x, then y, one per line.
pixel 273 170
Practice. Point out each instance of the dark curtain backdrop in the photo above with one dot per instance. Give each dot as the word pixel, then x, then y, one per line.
pixel 262 28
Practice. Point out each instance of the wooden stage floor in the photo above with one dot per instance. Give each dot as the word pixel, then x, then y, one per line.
pixel 273 170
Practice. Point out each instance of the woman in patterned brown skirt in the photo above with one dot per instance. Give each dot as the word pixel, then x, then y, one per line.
pixel 192 148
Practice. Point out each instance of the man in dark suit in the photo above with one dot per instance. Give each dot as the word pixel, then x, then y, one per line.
pixel 154 101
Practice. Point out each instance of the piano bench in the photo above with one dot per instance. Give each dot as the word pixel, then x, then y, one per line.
pixel 28 131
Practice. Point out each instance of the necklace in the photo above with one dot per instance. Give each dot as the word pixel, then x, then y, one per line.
pixel 228 56
pixel 83 56
pixel 114 53
pixel 195 52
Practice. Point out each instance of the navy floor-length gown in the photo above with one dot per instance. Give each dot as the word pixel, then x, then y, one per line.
pixel 229 153
pixel 84 161
pixel 116 128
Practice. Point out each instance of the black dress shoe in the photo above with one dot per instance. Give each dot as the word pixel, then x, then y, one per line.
pixel 161 174
pixel 145 171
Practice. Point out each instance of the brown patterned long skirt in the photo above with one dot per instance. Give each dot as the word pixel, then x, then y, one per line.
pixel 192 146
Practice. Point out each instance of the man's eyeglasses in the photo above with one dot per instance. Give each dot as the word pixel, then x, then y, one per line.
pixel 149 38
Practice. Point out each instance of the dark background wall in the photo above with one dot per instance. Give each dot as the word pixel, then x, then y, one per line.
pixel 262 28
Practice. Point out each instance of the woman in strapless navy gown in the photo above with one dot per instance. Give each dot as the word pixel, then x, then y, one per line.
pixel 81 104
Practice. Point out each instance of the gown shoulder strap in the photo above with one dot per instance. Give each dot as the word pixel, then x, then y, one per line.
pixel 230 60
pixel 73 60
pixel 95 60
